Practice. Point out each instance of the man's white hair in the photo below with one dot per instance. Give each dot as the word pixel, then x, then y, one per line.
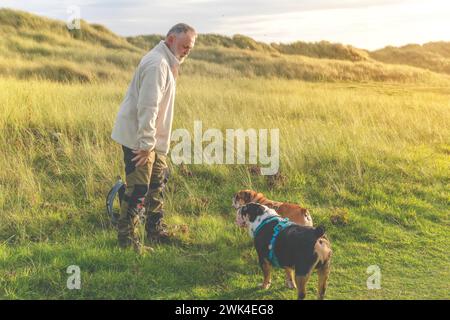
pixel 181 28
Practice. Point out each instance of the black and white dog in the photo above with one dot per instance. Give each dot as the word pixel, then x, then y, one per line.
pixel 284 244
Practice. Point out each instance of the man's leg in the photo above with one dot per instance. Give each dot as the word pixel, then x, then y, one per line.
pixel 154 201
pixel 137 180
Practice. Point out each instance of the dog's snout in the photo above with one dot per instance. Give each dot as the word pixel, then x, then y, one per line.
pixel 234 203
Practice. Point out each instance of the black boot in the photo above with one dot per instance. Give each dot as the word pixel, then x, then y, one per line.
pixel 157 230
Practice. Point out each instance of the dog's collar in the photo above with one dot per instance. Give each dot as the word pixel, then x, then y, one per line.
pixel 264 222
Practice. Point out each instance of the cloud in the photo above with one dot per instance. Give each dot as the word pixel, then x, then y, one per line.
pixel 364 23
pixel 370 27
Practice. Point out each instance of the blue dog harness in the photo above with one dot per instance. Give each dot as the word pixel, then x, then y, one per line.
pixel 280 226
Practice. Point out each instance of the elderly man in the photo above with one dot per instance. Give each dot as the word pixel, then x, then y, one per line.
pixel 143 127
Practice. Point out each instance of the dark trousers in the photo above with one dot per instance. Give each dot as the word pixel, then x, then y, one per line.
pixel 143 196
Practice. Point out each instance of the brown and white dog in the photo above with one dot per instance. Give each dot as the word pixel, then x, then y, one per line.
pixel 293 212
pixel 298 249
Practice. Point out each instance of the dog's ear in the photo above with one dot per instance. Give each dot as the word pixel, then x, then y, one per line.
pixel 319 231
pixel 252 210
pixel 260 211
pixel 247 197
pixel 244 210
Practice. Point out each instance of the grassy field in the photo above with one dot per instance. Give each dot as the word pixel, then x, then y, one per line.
pixel 34 47
pixel 365 144
pixel 373 155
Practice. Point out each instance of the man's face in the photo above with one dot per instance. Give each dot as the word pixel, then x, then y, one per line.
pixel 181 44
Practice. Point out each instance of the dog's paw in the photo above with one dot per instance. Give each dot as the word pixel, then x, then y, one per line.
pixel 290 284
pixel 265 285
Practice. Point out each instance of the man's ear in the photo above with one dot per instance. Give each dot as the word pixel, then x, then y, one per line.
pixel 170 39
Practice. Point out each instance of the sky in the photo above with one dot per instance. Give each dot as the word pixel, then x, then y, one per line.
pixel 368 24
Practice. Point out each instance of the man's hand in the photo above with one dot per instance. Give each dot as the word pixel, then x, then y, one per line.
pixel 141 157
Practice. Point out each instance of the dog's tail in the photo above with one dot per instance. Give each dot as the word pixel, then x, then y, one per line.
pixel 319 231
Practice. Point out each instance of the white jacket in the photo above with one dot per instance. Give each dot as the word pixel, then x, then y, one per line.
pixel 145 117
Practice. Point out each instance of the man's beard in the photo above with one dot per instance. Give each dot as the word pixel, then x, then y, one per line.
pixel 179 57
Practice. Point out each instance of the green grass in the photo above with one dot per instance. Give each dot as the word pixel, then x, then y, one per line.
pixel 433 56
pixel 34 47
pixel 377 151
pixel 360 139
